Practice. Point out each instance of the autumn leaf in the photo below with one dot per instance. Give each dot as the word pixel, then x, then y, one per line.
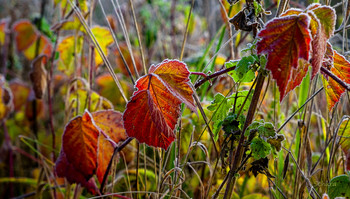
pixel 38 76
pixel 297 75
pixel 3 30
pixel 285 40
pixel 6 105
pixel 104 38
pixel 25 34
pixel 119 61
pixel 108 89
pixel 64 168
pixel 87 146
pixel 152 112
pixel 67 48
pixel 79 99
pixel 45 47
pixel 79 143
pixel 111 124
pixel 325 27
pixel 174 75
pixel 341 69
pixel 20 94
pixel 344 133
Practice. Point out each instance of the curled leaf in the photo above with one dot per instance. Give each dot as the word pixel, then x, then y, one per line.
pixel 38 76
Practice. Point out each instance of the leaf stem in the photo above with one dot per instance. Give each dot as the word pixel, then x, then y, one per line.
pixel 209 77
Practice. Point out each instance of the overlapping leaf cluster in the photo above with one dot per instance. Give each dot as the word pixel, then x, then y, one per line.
pixel 88 143
pixel 297 40
pixel 153 111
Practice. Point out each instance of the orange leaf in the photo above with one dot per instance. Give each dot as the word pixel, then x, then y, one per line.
pixel 340 68
pixel 174 75
pixel 20 94
pixel 285 40
pixel 297 75
pixel 325 20
pixel 45 47
pixel 79 144
pixel 110 122
pixel 26 34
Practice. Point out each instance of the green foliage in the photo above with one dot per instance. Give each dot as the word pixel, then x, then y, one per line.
pixel 339 187
pixel 260 148
pixel 244 71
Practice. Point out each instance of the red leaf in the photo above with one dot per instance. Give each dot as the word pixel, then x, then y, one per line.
pixel 151 115
pixel 110 122
pixel 285 40
pixel 340 68
pixel 79 143
pixel 26 34
pixel 65 169
pixel 152 112
pixel 174 75
pixel 297 75
pixel 324 18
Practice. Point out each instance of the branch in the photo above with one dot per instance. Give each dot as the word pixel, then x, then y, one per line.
pixel 335 78
pixel 209 77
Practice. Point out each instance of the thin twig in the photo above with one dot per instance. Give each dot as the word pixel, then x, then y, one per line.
pixel 116 43
pixel 335 78
pixel 98 47
pixel 295 112
pixel 186 31
pixel 138 37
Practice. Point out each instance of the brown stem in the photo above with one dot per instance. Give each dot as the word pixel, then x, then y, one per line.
pixel 239 151
pixel 335 78
pixel 209 77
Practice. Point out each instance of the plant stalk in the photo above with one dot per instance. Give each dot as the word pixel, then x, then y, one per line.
pixel 239 151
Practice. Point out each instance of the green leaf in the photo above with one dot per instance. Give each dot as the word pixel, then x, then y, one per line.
pixel 221 106
pixel 339 187
pixel 240 99
pixel 243 71
pixel 260 148
pixel 216 128
pixel 267 130
pixel 232 124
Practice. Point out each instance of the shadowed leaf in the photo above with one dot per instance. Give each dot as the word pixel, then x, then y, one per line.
pixel 79 143
pixel 38 76
pixel 25 34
